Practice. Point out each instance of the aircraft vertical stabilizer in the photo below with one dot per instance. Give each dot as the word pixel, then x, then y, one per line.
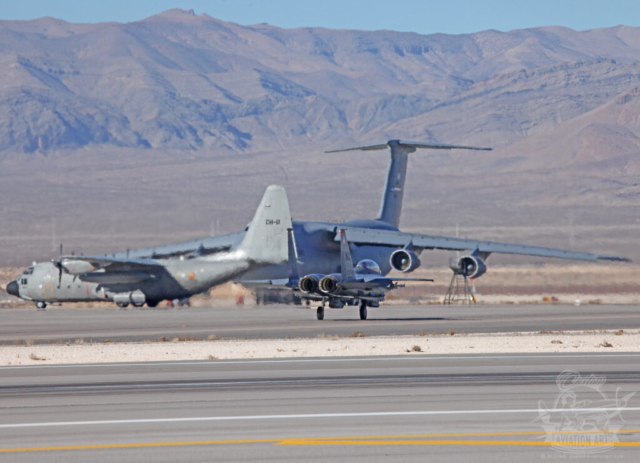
pixel 346 262
pixel 391 204
pixel 266 238
pixel 293 256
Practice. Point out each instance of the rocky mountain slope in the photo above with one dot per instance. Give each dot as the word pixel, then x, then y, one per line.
pixel 191 82
pixel 145 132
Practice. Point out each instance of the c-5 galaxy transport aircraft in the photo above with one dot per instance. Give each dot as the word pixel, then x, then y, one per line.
pixel 380 240
pixel 364 285
pixel 146 280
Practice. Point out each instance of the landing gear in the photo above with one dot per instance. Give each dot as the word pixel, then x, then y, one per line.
pixel 152 304
pixel 363 310
pixel 320 313
pixel 41 305
pixel 122 305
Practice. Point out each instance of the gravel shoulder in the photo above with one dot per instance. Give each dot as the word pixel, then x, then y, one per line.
pixel 191 349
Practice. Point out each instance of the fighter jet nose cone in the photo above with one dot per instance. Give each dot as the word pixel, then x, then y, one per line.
pixel 12 288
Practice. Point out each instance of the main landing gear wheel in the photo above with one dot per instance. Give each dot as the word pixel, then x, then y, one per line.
pixel 41 305
pixel 363 310
pixel 122 305
pixel 320 313
pixel 152 303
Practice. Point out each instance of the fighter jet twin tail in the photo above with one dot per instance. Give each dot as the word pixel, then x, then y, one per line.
pixel 258 256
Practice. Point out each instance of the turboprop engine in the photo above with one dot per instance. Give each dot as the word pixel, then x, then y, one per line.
pixel 309 283
pixel 472 266
pixel 76 267
pixel 329 284
pixel 404 261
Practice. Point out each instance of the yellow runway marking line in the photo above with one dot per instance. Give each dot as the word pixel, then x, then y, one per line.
pixel 140 444
pixel 447 442
pixel 413 439
pixel 471 434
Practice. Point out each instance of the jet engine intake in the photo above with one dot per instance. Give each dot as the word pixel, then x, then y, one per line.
pixel 309 283
pixel 329 284
pixel 472 267
pixel 404 261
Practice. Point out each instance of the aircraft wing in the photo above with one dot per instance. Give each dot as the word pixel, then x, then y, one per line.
pixel 375 282
pixel 280 283
pixel 76 265
pixel 420 241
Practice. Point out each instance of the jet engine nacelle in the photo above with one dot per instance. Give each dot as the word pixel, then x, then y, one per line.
pixel 472 267
pixel 309 284
pixel 404 261
pixel 329 284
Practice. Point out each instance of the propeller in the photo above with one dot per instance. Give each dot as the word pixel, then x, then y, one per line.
pixel 58 264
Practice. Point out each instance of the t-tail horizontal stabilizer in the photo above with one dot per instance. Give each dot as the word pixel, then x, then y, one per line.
pixel 265 240
pixel 391 204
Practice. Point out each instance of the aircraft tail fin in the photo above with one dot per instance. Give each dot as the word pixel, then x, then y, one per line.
pixel 265 240
pixel 294 274
pixel 346 262
pixel 391 204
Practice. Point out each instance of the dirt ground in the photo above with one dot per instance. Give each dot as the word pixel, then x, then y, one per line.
pixel 323 346
pixel 517 284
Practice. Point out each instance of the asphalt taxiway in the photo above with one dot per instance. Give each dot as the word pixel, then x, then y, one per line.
pixel 454 408
pixel 56 323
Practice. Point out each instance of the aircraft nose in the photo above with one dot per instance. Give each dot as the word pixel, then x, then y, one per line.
pixel 12 288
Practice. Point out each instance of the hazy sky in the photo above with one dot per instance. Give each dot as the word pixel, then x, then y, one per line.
pixel 423 16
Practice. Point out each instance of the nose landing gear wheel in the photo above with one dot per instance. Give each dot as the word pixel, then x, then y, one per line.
pixel 363 310
pixel 320 313
pixel 41 305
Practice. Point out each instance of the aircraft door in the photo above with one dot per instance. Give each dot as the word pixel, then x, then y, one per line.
pixel 47 291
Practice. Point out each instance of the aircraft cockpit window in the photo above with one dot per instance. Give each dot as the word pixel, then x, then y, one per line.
pixel 28 271
pixel 368 264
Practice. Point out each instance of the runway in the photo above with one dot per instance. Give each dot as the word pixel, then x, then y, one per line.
pixel 64 324
pixel 455 408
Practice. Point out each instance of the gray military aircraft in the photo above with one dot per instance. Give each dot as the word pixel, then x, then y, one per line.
pixel 146 280
pixel 380 240
pixel 363 285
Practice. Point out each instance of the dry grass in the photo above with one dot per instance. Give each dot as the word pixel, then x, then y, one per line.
pixel 618 333
pixel 33 356
pixel 416 348
pixel 212 357
pixel 606 344
pixel 357 334
pixel 212 337
pixel 79 341
pixel 186 338
pixel 451 332
pixel 556 341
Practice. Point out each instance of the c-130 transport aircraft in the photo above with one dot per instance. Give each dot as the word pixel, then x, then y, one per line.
pixel 379 240
pixel 145 280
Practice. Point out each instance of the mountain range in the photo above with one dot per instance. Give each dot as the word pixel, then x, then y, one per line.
pixel 108 108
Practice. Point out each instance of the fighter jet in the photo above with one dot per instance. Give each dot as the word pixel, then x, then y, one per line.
pixel 145 280
pixel 363 285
